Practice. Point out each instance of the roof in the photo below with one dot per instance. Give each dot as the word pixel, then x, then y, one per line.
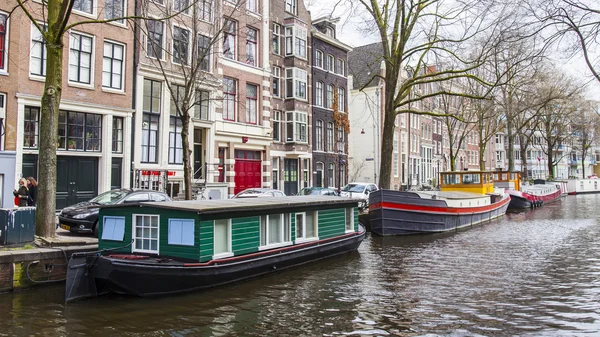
pixel 363 63
pixel 224 206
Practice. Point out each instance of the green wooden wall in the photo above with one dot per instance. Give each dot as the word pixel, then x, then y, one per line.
pixel 332 222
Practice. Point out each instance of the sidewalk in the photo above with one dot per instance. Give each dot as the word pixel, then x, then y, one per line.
pixel 66 238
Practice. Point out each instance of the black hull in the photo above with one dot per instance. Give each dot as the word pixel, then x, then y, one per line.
pixel 517 202
pixel 89 276
pixel 427 216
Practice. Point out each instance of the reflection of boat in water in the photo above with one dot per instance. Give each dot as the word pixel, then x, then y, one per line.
pixel 163 248
pixel 466 198
pixel 524 196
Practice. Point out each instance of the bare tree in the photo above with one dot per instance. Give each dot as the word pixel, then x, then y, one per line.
pixel 586 128
pixel 57 14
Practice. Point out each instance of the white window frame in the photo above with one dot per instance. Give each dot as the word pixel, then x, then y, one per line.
pixel 299 83
pixel 234 33
pixel 349 222
pixel 277 77
pixel 181 243
pixel 342 99
pixel 4 67
pixel 161 47
pixel 43 57
pixel 277 34
pixel 229 252
pixel 202 13
pixel 319 60
pixel 297 121
pixel 83 13
pixel 187 56
pixel 124 55
pixel 341 70
pixel 291 6
pixel 135 239
pixel 330 63
pixel 319 94
pixel 304 238
pixel 92 61
pixel 276 124
pixel 180 10
pixel 283 240
pixel 114 218
pixel 118 22
pixel 294 36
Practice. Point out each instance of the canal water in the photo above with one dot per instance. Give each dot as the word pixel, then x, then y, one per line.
pixel 535 273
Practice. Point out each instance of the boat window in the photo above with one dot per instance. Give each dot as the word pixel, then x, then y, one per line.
pixel 222 237
pixel 505 176
pixel 306 225
pixel 513 176
pixel 113 228
pixel 471 178
pixel 451 179
pixel 349 219
pixel 145 234
pixel 181 232
pixel 274 229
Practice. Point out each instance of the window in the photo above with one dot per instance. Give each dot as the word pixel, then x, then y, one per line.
pixel 229 34
pixel 342 175
pixel 112 66
pixel 306 225
pixel 296 83
pixel 3 41
pixel 86 6
pixel 319 94
pixel 37 64
pixel 277 39
pixel 222 238
pixel 78 131
pixel 175 145
pixel 181 42
pixel 277 82
pixel 340 67
pixel 145 233
pixel 275 175
pixel 181 6
pixel 117 135
pixel 113 228
pixel 80 59
pixel 290 6
pixel 319 59
pixel 154 40
pixel 349 219
pixel 181 232
pixel 251 43
pixel 330 63
pixel 341 100
pixel 295 41
pixel 201 108
pixel 329 98
pixel 252 6
pixel 251 103
pixel 341 144
pixel 32 125
pixel 296 126
pixel 229 98
pixel 319 135
pixel 205 10
pixel 274 229
pixel 150 118
pixel 276 126
pixel 331 175
pixel 329 137
pixel 114 9
pixel 330 32
pixel 204 52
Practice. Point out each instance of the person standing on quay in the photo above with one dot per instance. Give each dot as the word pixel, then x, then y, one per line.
pixel 32 186
pixel 22 193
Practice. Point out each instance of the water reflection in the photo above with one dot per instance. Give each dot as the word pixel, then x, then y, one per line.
pixel 532 273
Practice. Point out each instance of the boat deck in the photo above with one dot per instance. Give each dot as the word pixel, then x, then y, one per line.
pixel 449 195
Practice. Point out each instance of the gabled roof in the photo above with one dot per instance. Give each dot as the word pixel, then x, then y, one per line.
pixel 363 63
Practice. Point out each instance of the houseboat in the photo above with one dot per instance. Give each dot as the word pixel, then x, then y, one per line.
pixel 158 248
pixel 524 195
pixel 465 198
pixel 580 186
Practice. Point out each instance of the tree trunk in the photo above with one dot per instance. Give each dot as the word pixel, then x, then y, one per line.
pixel 46 207
pixel 387 148
pixel 187 166
pixel 482 147
pixel 511 144
pixel 524 170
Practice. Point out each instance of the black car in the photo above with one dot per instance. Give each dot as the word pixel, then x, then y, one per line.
pixel 83 217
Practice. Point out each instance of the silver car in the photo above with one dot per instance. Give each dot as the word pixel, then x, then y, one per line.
pixel 259 193
pixel 359 191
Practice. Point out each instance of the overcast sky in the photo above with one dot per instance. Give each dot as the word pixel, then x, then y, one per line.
pixel 350 30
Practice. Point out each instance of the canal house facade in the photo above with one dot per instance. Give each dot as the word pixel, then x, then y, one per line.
pixel 290 52
pixel 94 127
pixel 330 123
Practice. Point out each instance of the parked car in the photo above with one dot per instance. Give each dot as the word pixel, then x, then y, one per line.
pixel 83 217
pixel 359 191
pixel 318 191
pixel 259 193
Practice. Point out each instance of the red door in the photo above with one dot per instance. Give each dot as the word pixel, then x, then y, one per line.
pixel 248 170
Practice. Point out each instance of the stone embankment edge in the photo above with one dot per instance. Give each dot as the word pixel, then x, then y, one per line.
pixel 20 269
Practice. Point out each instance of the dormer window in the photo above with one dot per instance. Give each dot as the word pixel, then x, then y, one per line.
pixel 330 32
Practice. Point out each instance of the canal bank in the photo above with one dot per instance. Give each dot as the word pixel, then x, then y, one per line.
pixel 41 262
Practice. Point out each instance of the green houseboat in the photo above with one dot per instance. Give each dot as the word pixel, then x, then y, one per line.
pixel 158 248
